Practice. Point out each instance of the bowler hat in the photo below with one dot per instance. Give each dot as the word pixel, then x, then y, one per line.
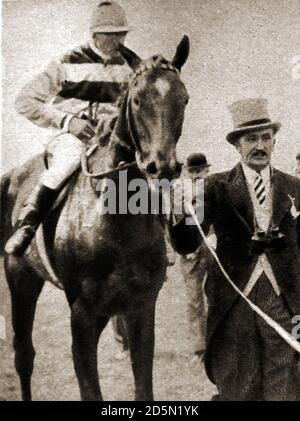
pixel 196 161
pixel 249 115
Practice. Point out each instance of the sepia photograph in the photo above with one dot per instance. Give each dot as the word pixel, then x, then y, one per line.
pixel 150 202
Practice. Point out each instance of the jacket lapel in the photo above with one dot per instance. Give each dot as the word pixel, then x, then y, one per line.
pixel 239 197
pixel 281 202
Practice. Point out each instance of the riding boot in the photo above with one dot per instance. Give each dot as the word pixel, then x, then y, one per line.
pixel 35 210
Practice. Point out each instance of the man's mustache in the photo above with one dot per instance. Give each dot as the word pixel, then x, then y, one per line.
pixel 258 153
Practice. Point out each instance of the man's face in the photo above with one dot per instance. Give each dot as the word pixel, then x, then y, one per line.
pixel 256 148
pixel 197 174
pixel 109 43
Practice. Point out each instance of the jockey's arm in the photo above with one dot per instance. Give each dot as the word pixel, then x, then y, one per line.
pixel 34 100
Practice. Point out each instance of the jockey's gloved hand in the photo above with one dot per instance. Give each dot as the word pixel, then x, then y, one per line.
pixel 82 129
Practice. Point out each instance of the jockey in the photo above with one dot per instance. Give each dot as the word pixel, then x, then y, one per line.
pixel 72 95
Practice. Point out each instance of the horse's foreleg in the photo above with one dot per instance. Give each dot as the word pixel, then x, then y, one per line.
pixel 86 329
pixel 140 326
pixel 25 288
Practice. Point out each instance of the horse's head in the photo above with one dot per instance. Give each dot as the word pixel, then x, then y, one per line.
pixel 155 106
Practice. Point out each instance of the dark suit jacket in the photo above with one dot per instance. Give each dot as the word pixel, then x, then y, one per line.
pixel 228 207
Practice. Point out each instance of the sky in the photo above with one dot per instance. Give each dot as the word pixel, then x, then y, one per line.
pixel 239 49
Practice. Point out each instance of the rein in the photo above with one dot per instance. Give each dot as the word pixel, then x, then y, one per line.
pixel 84 165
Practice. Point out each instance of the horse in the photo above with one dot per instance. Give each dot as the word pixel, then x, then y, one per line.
pixel 107 264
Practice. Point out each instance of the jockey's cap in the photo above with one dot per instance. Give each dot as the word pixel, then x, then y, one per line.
pixel 109 17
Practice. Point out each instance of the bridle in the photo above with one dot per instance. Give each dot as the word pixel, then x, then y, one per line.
pixel 156 62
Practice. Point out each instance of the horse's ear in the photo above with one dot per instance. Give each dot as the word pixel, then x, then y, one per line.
pixel 182 53
pixel 130 57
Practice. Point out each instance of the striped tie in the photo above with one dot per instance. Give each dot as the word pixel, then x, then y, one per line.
pixel 260 190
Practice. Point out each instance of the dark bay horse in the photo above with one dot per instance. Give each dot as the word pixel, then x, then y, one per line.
pixel 108 264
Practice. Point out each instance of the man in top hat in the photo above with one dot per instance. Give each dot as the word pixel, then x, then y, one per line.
pixel 194 267
pixel 254 210
pixel 72 96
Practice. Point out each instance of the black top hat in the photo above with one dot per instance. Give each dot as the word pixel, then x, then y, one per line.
pixel 197 161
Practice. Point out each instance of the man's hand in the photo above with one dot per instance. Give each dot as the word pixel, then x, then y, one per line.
pixel 81 128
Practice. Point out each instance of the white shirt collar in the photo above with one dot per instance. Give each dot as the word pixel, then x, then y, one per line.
pixel 251 174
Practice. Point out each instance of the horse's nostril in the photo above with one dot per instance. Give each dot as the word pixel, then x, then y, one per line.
pixel 151 168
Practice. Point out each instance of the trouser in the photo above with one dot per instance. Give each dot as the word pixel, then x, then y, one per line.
pixel 194 275
pixel 64 152
pixel 249 360
pixel 171 256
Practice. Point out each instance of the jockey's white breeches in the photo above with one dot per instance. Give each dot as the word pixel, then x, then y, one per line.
pixel 64 153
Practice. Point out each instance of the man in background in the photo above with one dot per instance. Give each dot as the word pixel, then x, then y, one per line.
pixel 194 268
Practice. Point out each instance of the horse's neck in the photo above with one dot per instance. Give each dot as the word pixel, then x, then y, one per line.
pixel 121 147
pixel 84 226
